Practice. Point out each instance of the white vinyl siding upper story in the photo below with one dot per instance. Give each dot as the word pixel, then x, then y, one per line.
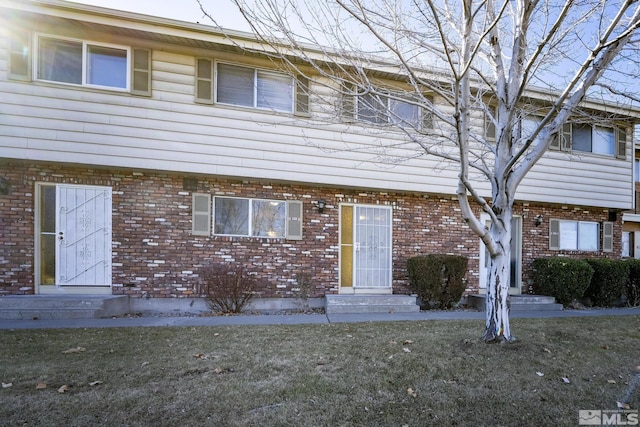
pixel 171 129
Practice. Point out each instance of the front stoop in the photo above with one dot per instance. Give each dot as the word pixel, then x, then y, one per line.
pixel 520 303
pixel 353 304
pixel 22 307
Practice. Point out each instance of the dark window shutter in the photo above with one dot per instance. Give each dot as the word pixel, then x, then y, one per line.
pixel 607 237
pixel 294 220
pixel 302 96
pixel 204 80
pixel 554 234
pixel 141 72
pixel 20 55
pixel 621 143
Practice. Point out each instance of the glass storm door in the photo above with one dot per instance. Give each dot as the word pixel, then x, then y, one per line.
pixel 365 249
pixel 515 259
pixel 74 236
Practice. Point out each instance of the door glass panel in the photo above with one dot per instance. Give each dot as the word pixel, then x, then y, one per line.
pixel 47 222
pixel 346 246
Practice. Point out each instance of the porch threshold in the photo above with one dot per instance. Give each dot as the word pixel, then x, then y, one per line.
pixel 354 304
pixel 519 303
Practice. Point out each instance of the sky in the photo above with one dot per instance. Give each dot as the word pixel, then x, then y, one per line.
pixel 224 11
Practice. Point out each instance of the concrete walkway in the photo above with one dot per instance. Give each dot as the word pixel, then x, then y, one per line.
pixel 297 319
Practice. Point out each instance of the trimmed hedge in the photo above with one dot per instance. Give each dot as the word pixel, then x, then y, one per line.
pixel 609 280
pixel 632 291
pixel 566 279
pixel 438 279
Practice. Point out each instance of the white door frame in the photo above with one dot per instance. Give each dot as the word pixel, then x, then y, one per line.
pixel 516 270
pixel 104 287
pixel 354 252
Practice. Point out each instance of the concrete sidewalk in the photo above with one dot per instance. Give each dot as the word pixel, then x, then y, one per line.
pixel 297 319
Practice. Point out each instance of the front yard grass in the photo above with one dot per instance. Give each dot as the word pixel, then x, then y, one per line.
pixel 366 374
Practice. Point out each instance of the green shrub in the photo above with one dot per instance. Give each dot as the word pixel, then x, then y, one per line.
pixel 632 291
pixel 609 279
pixel 227 288
pixel 565 279
pixel 438 279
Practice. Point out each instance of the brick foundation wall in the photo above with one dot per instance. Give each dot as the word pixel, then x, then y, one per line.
pixel 155 254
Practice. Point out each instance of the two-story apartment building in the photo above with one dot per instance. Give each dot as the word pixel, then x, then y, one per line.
pixel 133 153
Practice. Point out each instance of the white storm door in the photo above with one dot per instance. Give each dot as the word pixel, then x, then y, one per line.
pixel 372 247
pixel 515 260
pixel 83 236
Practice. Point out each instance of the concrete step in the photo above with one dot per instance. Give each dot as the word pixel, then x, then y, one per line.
pixel 520 303
pixel 15 307
pixel 349 304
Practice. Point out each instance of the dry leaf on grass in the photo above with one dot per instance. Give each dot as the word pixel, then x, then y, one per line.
pixel 200 356
pixel 406 350
pixel 622 405
pixel 95 383
pixel 405 342
pixel 547 350
pixel 566 380
pixel 540 374
pixel 63 388
pixel 217 371
pixel 611 381
pixel 411 392
pixel 7 385
pixel 41 386
pixel 74 350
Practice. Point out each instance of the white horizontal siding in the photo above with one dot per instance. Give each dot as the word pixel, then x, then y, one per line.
pixel 170 132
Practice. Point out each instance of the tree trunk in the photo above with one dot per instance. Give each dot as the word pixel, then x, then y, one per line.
pixel 497 305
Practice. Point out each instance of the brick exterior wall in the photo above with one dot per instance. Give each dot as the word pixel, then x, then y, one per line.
pixel 155 254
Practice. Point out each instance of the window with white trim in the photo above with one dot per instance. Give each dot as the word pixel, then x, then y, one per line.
pixel 592 138
pixel 235 216
pixel 82 63
pixel 253 87
pixel 580 235
pixel 385 110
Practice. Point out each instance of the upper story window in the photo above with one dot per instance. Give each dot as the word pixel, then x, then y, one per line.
pixel 82 63
pixel 385 110
pixel 592 138
pixel 251 87
pixel 79 62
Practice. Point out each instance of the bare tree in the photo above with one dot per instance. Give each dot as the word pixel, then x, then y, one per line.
pixel 459 58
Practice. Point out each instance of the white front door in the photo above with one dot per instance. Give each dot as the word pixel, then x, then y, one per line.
pixel 515 281
pixel 365 249
pixel 74 238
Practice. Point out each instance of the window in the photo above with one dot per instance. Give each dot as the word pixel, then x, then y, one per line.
pixel 233 216
pixel 82 63
pixel 383 110
pixel 579 235
pixel 250 87
pixel 636 170
pixel 589 138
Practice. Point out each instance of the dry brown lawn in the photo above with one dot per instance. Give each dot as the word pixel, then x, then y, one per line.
pixel 369 374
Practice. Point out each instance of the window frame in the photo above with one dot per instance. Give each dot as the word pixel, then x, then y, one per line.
pixel 603 235
pixel 85 46
pixel 293 108
pixel 251 216
pixel 565 141
pixel 422 116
